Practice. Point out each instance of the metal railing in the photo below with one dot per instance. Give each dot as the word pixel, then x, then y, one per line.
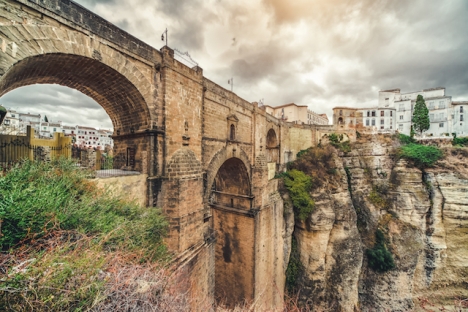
pixel 104 165
pixel 16 150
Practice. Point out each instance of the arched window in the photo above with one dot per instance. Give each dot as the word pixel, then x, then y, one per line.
pixel 232 134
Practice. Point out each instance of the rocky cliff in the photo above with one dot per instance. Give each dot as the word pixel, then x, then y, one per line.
pixel 423 215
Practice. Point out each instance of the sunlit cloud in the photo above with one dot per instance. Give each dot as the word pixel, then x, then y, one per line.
pixel 320 53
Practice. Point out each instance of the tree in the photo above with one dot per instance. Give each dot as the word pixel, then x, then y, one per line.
pixel 420 115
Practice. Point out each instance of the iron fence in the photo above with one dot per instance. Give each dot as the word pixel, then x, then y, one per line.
pixel 16 150
pixel 103 164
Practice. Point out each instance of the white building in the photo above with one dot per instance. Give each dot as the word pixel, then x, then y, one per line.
pixel 15 123
pixel 296 113
pixel 395 111
pixel 11 123
pixel 382 118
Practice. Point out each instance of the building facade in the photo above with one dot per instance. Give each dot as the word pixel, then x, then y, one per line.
pixel 395 110
pixel 300 114
pixel 16 123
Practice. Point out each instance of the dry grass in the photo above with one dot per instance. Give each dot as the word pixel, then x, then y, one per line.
pixel 67 271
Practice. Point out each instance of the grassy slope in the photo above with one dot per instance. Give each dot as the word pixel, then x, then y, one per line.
pixel 68 246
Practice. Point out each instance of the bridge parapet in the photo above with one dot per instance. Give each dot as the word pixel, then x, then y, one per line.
pixel 79 15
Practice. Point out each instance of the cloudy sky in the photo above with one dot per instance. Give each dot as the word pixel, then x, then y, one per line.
pixel 320 53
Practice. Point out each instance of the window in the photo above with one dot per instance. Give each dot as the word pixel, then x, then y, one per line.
pixel 382 121
pixel 382 113
pixel 367 122
pixel 368 113
pixel 461 117
pixel 441 125
pixel 373 113
pixel 381 127
pixel 441 104
pixel 401 117
pixel 391 127
pixel 44 128
pixel 13 115
pixel 232 135
pixel 7 122
pixel 391 113
pixel 55 129
pixel 461 109
pixel 373 121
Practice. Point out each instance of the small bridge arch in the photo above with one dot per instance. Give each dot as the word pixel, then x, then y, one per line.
pixel 230 200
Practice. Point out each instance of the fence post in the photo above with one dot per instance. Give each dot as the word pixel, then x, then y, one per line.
pixel 29 141
pixel 98 160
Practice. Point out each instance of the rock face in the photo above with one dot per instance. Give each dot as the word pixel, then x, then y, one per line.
pixel 424 218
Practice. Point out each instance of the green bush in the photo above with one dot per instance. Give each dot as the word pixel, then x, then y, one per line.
pixel 459 141
pixel 299 186
pixel 294 269
pixel 380 259
pixel 337 141
pixel 404 139
pixel 423 156
pixel 301 152
pixel 37 198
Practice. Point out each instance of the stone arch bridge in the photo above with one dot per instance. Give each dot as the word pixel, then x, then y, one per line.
pixel 208 156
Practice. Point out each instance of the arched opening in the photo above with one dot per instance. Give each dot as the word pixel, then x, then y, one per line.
pixel 234 225
pixel 272 141
pixel 232 133
pixel 114 92
pixel 272 147
pixel 231 187
pixel 120 99
pixel 340 121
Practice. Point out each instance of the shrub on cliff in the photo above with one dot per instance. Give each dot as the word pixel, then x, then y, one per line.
pixel 459 141
pixel 318 163
pixel 299 186
pixel 422 156
pixel 380 259
pixel 405 139
pixel 294 269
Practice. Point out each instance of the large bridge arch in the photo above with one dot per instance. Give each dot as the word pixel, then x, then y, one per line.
pixel 41 53
pixel 114 92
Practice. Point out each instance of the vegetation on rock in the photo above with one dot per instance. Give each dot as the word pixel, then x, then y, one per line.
pixel 294 269
pixel 299 186
pixel 459 141
pixel 422 156
pixel 420 115
pixel 380 259
pixel 337 141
